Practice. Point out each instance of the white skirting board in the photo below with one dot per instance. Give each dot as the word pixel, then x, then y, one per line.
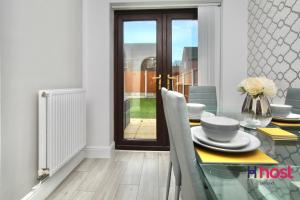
pixel 43 190
pixel 99 151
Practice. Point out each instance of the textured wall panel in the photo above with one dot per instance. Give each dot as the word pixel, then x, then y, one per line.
pixel 274 42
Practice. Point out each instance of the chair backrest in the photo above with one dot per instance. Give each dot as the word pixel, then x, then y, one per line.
pixel 192 187
pixel 206 95
pixel 173 154
pixel 293 99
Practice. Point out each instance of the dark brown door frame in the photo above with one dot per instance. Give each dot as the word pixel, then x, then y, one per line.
pixel 164 67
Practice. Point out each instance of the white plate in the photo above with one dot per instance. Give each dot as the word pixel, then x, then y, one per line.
pixel 253 145
pixel 204 114
pixel 239 141
pixel 292 117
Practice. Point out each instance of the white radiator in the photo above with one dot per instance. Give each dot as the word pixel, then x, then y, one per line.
pixel 62 127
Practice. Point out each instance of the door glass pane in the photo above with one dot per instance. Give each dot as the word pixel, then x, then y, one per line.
pixel 184 54
pixel 139 117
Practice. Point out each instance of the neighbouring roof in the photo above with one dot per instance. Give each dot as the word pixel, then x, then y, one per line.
pixel 190 53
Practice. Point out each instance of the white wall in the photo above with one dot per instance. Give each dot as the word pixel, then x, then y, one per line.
pixel 97 71
pixel 234 53
pixel 98 65
pixel 41 48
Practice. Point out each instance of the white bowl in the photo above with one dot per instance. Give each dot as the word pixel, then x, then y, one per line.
pixel 221 129
pixel 195 109
pixel 280 110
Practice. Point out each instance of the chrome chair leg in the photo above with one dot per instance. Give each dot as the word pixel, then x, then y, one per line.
pixel 169 180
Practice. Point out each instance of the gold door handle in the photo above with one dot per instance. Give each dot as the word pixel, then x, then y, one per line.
pixel 169 80
pixel 159 80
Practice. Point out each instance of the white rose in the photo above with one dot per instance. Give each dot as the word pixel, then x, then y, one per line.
pixel 269 87
pixel 241 86
pixel 253 86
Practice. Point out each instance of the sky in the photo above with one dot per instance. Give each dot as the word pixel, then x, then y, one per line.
pixel 184 34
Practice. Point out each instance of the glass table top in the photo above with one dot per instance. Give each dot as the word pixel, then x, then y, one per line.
pixel 230 181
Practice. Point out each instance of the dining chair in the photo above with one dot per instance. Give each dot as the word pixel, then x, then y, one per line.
pixel 192 187
pixel 205 95
pixel 293 99
pixel 173 156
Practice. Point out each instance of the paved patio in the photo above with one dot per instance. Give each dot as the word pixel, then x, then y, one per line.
pixel 140 129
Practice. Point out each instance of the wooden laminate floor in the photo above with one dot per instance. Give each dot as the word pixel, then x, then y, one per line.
pixel 127 176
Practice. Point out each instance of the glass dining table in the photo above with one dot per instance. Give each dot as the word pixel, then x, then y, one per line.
pixel 230 181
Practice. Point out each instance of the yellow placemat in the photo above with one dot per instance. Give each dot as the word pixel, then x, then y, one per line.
pixel 278 134
pixel 254 157
pixel 285 139
pixel 285 124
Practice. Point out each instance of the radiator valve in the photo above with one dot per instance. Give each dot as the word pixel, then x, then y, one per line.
pixel 43 173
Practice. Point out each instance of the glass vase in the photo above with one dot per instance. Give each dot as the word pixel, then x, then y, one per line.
pixel 256 111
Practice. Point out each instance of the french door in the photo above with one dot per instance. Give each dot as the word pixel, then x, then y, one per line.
pixel 153 49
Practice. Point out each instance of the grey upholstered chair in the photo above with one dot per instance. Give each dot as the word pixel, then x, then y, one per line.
pixel 192 187
pixel 173 156
pixel 293 99
pixel 206 95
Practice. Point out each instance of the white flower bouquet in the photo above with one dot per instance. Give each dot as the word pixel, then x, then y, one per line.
pixel 256 86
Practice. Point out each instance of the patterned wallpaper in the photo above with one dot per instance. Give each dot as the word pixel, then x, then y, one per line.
pixel 274 42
